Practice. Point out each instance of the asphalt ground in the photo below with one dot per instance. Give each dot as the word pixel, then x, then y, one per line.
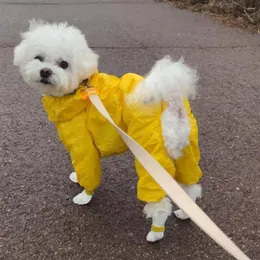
pixel 38 218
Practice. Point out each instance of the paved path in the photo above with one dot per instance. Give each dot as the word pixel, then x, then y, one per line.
pixel 38 218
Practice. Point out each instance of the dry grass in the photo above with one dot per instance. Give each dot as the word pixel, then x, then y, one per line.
pixel 243 13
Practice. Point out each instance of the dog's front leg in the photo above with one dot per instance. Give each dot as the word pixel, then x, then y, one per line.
pixel 73 177
pixel 84 197
pixel 84 157
pixel 159 212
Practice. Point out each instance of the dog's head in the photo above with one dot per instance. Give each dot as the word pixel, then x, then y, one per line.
pixel 54 58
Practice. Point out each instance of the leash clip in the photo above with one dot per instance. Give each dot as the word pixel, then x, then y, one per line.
pixel 89 90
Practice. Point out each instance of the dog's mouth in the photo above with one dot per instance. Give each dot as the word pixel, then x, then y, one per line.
pixel 45 81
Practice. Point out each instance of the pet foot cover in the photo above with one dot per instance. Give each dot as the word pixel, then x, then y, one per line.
pixel 73 177
pixel 180 214
pixel 154 236
pixel 82 198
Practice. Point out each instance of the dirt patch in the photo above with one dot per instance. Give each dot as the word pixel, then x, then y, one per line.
pixel 240 13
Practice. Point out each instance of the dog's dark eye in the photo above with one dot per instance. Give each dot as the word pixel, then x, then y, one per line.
pixel 64 64
pixel 40 58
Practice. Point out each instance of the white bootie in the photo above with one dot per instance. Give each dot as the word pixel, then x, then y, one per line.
pixel 83 198
pixel 154 236
pixel 73 177
pixel 194 191
pixel 180 214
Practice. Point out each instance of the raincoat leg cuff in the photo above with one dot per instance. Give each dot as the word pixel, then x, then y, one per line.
pixel 157 229
pixel 89 192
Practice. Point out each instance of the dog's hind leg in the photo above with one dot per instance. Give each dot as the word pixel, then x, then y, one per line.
pixel 159 212
pixel 194 191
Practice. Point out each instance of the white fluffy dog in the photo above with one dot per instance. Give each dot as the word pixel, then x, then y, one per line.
pixel 55 59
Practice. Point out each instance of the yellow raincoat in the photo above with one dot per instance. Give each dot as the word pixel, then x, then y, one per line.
pixel 88 136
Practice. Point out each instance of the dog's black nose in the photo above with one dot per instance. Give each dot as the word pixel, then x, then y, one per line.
pixel 45 73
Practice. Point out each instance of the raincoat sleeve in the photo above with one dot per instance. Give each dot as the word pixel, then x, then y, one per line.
pixel 84 155
pixel 145 128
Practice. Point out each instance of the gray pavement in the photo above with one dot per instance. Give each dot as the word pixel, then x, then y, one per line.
pixel 38 218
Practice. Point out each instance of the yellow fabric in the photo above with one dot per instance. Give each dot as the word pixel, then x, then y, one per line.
pixel 88 192
pixel 88 136
pixel 157 229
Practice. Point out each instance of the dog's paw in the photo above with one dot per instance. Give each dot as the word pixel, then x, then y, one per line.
pixel 180 214
pixel 82 198
pixel 73 177
pixel 154 236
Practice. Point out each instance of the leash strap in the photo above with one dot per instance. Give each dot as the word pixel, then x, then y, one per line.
pixel 170 186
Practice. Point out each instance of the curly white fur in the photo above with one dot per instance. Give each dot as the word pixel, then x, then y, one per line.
pixel 165 80
pixel 54 43
pixel 171 82
pixel 175 130
pixel 152 209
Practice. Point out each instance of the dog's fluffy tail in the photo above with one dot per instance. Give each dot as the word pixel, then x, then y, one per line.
pixel 167 79
pixel 169 82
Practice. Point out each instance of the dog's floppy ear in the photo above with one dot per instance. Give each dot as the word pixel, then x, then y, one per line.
pixel 88 63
